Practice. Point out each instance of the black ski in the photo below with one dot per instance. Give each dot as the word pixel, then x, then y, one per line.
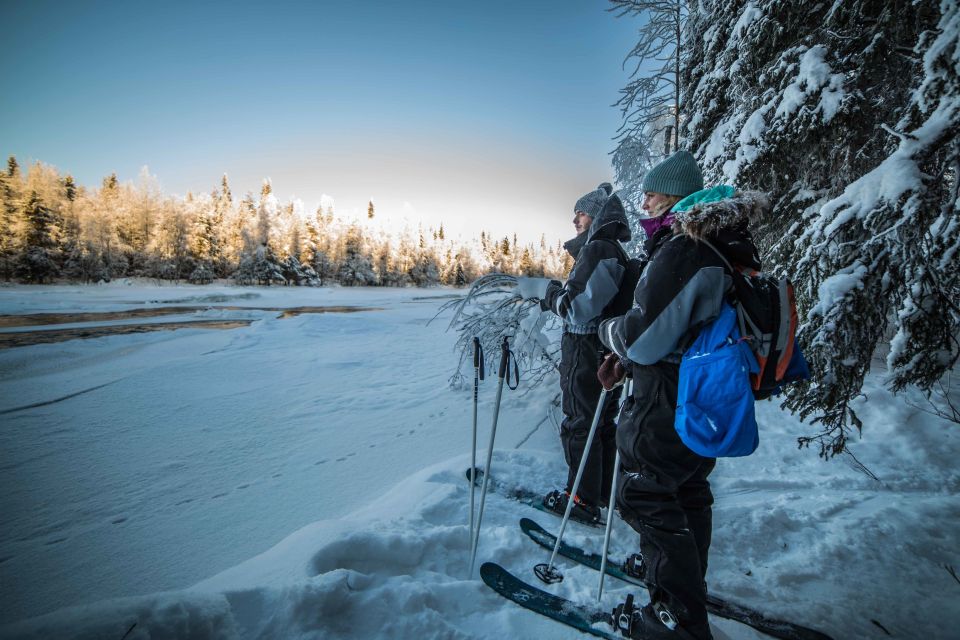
pixel 716 606
pixel 524 496
pixel 588 619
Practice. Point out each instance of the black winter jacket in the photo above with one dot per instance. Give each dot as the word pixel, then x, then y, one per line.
pixel 592 290
pixel 684 281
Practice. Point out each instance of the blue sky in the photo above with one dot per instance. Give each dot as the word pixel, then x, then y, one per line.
pixel 489 114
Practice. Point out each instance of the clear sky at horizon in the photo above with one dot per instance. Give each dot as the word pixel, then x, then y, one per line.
pixel 493 115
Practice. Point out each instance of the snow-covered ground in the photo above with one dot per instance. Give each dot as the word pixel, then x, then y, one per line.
pixel 302 477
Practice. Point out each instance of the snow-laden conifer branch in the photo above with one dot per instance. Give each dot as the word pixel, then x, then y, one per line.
pixel 792 98
pixel 897 221
pixel 490 310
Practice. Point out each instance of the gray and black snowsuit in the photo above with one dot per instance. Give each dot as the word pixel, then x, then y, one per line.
pixel 664 493
pixel 592 293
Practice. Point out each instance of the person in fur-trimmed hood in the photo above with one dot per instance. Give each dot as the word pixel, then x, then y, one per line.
pixel 664 493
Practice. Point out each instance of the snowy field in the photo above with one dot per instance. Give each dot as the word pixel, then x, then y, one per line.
pixel 302 477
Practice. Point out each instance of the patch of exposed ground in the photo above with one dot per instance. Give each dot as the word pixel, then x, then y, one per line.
pixel 10 339
pixel 40 319
pixel 296 311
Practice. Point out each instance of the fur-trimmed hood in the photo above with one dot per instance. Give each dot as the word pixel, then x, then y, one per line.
pixel 704 219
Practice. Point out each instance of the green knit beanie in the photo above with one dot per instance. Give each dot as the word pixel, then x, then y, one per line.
pixel 678 175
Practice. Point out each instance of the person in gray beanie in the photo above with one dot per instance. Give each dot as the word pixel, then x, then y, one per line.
pixel 599 287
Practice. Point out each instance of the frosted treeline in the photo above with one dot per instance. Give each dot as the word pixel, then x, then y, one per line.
pixel 53 229
pixel 848 114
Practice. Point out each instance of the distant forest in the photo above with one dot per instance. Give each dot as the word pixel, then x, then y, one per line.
pixel 53 230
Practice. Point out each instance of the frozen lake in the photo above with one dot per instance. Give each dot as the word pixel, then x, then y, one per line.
pixel 285 477
pixel 147 462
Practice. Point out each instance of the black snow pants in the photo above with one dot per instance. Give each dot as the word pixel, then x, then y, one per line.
pixel 665 496
pixel 580 358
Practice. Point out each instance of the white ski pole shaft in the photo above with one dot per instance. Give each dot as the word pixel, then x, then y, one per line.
pixel 504 357
pixel 576 483
pixel 606 533
pixel 627 390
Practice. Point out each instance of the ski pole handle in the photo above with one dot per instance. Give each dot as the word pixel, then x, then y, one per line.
pixel 478 357
pixel 504 357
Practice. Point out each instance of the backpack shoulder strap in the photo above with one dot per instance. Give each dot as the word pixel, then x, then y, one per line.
pixel 742 320
pixel 717 251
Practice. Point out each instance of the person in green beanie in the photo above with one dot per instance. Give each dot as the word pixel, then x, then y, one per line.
pixel 663 492
pixel 664 186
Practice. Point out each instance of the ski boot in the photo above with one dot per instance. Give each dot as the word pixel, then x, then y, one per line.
pixel 651 622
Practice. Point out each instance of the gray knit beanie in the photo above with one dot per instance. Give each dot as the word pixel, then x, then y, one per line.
pixel 592 203
pixel 678 175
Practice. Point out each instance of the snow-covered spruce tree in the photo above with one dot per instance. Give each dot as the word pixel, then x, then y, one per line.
pixel 425 270
pixel 292 271
pixel 258 261
pixel 323 266
pixel 356 269
pixel 226 232
pixel 205 246
pixel 848 114
pixel 240 219
pixel 71 246
pixel 36 263
pixel 11 202
pixel 201 274
pixel 266 267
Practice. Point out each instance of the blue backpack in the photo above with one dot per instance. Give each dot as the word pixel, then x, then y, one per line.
pixel 715 413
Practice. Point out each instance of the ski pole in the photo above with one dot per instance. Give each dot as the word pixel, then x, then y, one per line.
pixel 627 391
pixel 477 377
pixel 546 572
pixel 504 360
